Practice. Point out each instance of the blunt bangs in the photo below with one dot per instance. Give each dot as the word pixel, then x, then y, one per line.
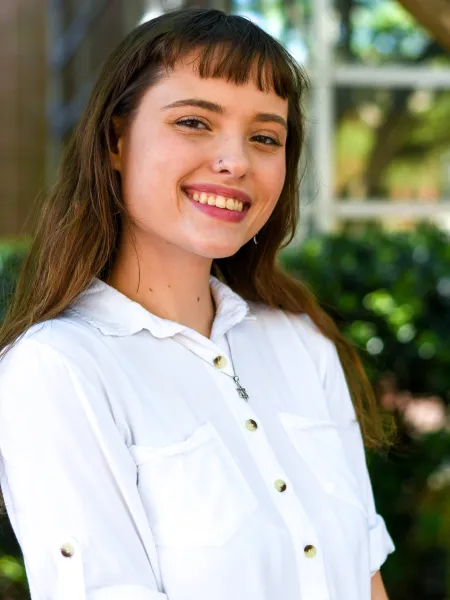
pixel 229 47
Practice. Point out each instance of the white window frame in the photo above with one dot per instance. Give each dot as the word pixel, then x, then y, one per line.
pixel 326 210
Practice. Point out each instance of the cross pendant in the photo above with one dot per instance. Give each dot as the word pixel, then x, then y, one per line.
pixel 241 391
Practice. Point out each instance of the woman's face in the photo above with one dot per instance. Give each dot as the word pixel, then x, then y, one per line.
pixel 173 184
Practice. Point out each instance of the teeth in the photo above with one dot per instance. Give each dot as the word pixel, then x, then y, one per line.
pixel 219 201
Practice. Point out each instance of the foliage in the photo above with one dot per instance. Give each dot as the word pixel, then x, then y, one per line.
pixel 393 292
pixel 13 583
pixel 383 31
pixel 11 255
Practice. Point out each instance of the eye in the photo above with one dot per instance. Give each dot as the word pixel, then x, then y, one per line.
pixel 196 125
pixel 266 140
pixel 191 123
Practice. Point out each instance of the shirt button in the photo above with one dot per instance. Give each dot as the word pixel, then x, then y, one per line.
pixel 309 551
pixel 67 550
pixel 251 424
pixel 280 485
pixel 220 362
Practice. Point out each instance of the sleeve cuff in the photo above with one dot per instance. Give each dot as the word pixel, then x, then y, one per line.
pixel 381 544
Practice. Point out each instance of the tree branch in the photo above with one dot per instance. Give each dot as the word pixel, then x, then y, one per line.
pixel 434 15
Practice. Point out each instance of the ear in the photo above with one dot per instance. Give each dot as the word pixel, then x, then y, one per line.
pixel 116 145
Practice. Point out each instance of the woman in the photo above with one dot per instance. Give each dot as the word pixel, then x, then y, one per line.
pixel 175 419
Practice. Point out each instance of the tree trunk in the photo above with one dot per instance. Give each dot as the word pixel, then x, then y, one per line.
pixel 434 15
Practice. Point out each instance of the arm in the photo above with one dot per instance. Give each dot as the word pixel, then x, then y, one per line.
pixel 378 591
pixel 69 483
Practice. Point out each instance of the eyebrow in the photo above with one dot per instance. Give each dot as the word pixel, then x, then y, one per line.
pixel 218 109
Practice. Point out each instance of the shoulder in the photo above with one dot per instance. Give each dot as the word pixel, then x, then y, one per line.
pixel 56 342
pixel 51 372
pixel 300 324
pixel 299 337
pixel 294 329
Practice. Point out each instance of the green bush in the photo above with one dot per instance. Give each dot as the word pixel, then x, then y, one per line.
pixel 13 583
pixel 11 256
pixel 390 291
pixel 391 295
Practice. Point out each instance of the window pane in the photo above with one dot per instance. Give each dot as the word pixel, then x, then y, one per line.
pixel 382 32
pixel 392 144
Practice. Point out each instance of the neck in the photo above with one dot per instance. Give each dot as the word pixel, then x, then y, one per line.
pixel 169 283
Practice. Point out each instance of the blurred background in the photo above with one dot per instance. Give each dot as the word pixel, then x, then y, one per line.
pixel 373 239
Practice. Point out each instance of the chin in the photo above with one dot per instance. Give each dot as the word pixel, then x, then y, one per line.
pixel 215 250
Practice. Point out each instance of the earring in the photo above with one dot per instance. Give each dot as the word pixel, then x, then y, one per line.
pixel 254 238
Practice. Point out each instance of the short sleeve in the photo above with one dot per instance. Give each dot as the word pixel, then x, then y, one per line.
pixel 342 411
pixel 69 483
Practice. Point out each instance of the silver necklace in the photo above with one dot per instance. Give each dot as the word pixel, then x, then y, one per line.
pixel 240 390
pixel 219 364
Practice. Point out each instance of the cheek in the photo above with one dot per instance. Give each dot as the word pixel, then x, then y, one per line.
pixel 157 155
pixel 149 175
pixel 272 180
pixel 142 187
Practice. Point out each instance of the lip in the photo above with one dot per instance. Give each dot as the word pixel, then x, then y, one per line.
pixel 220 190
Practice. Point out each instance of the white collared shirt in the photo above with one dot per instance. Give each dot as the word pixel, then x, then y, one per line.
pixel 133 470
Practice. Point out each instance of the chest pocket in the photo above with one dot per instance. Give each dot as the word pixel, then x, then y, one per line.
pixel 320 446
pixel 193 491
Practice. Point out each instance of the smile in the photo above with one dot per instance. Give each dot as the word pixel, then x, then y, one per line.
pixel 217 200
pixel 218 207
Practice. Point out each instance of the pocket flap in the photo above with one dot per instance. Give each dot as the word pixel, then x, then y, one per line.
pixel 319 444
pixel 143 453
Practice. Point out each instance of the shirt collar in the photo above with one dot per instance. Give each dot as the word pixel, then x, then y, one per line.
pixel 113 313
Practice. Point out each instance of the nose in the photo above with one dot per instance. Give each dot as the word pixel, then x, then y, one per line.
pixel 232 159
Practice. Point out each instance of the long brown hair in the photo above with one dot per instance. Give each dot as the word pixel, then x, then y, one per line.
pixel 79 225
